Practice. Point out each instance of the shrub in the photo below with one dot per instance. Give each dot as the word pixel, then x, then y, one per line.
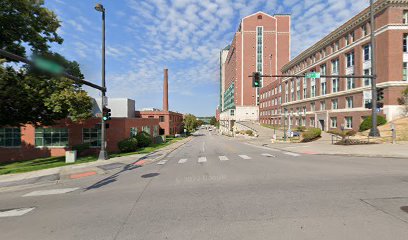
pixel 81 149
pixel 301 129
pixel 143 139
pixel 249 132
pixel 366 124
pixel 343 134
pixel 311 134
pixel 128 145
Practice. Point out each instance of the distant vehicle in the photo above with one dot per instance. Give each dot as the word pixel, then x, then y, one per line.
pixel 210 129
pixel 177 135
pixel 295 134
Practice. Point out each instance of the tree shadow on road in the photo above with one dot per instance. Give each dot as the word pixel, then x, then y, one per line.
pixel 111 178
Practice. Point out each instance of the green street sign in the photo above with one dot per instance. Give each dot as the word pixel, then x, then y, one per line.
pixel 48 66
pixel 312 75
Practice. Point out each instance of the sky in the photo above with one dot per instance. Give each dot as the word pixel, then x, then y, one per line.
pixel 145 36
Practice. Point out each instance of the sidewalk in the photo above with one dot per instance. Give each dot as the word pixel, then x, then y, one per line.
pixel 86 169
pixel 323 146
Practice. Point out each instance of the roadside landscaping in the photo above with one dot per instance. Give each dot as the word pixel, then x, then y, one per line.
pixel 52 162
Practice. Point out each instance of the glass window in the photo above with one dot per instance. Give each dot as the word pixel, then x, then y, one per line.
pixel 405 17
pixel 10 137
pixel 404 71
pixel 350 83
pixel 312 121
pixel 133 131
pixel 161 118
pixel 322 105
pixel 335 85
pixel 335 104
pixel 367 52
pixel 404 43
pixel 335 66
pixel 333 122
pixel 349 101
pixel 349 122
pixel 51 137
pixel 367 81
pixel 92 136
pixel 146 129
pixel 364 30
pixel 312 106
pixel 350 59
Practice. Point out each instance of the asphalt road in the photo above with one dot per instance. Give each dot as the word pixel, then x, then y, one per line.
pixel 220 188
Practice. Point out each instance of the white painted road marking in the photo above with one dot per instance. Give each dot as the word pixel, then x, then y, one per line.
pixel 15 212
pixel 262 147
pixel 292 154
pixel 267 155
pixel 182 160
pixel 244 157
pixel 223 158
pixel 202 159
pixel 162 162
pixel 50 192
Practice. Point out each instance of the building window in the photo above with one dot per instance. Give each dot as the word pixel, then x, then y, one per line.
pixel 312 106
pixel 92 136
pixel 156 131
pixel 349 102
pixel 367 81
pixel 367 52
pixel 350 59
pixel 364 30
pixel 333 122
pixel 304 88
pixel 313 88
pixel 351 37
pixel 349 122
pixel 312 122
pixel 350 83
pixel 405 17
pixel 133 132
pixel 10 137
pixel 336 46
pixel 161 118
pixel 335 66
pixel 404 43
pixel 335 85
pixel 146 129
pixel 335 104
pixel 404 71
pixel 51 137
pixel 322 105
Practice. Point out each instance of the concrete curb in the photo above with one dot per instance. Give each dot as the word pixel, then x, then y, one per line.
pixel 333 154
pixel 64 172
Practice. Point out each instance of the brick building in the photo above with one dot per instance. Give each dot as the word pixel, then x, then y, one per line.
pixel 170 122
pixel 332 103
pixel 261 44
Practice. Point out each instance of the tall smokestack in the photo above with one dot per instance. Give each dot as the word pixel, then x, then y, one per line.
pixel 166 90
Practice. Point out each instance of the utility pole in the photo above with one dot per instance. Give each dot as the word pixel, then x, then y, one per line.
pixel 103 154
pixel 374 130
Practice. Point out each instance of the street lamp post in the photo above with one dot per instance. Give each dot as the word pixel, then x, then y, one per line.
pixel 103 154
pixel 374 130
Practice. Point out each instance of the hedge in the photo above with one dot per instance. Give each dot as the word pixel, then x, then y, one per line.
pixel 311 134
pixel 367 124
pixel 128 145
pixel 143 139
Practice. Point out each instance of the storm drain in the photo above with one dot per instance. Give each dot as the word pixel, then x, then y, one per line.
pixel 404 208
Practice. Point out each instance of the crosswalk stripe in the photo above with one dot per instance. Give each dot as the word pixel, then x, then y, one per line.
pixel 292 154
pixel 182 160
pixel 223 158
pixel 202 159
pixel 162 162
pixel 244 157
pixel 50 192
pixel 267 155
pixel 15 212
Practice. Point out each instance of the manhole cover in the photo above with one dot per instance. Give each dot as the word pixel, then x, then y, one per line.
pixel 405 209
pixel 149 175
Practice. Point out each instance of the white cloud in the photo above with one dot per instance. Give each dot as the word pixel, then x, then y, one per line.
pixel 76 25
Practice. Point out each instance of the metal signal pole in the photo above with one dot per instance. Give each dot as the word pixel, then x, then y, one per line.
pixel 374 130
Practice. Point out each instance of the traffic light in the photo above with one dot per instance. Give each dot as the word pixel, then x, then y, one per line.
pixel 106 114
pixel 380 94
pixel 256 79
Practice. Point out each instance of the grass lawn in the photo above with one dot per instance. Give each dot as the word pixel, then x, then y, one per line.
pixel 51 162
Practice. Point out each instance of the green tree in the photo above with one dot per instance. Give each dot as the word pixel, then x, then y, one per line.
pixel 213 121
pixel 190 122
pixel 27 95
pixel 403 100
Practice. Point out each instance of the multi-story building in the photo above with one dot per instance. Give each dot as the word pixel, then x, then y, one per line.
pixel 335 102
pixel 261 44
